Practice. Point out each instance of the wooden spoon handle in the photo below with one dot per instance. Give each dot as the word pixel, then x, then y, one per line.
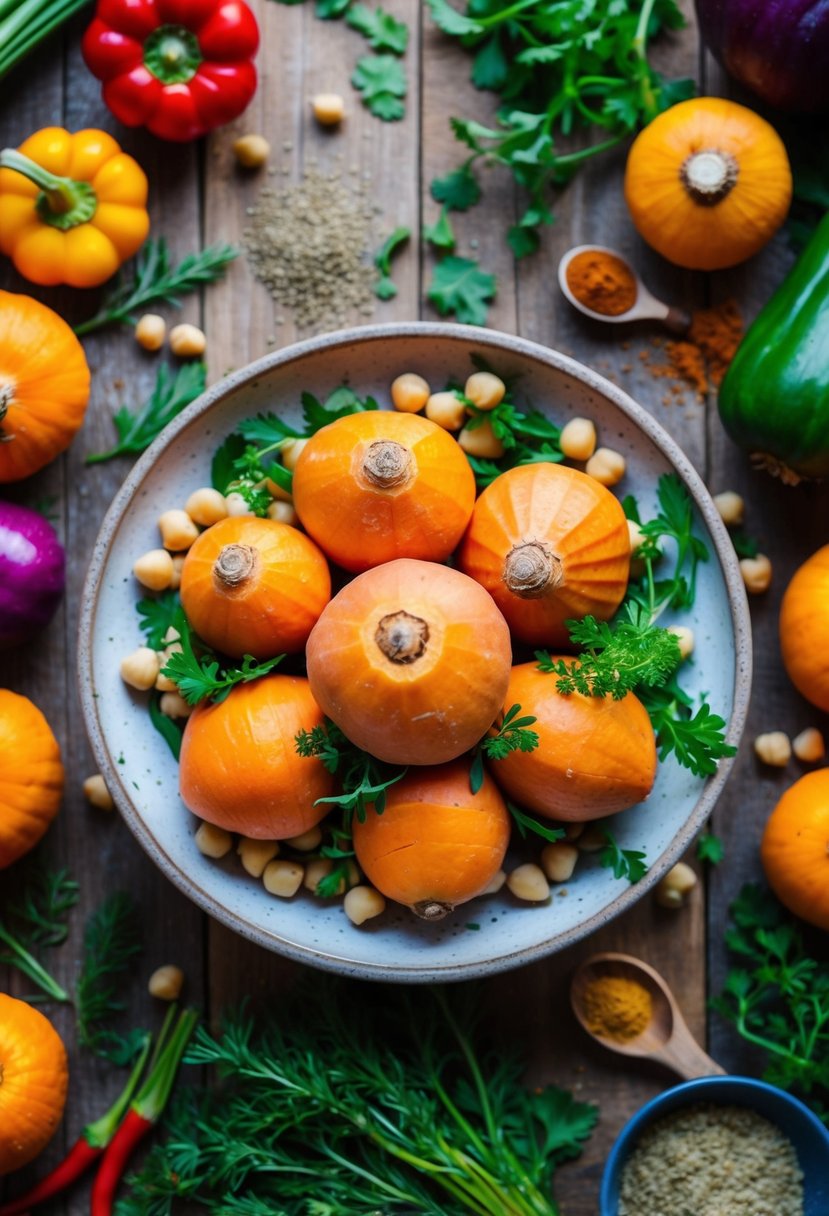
pixel 684 1055
pixel 677 320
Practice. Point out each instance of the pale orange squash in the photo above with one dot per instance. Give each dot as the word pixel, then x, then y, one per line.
pixel 595 756
pixel 44 385
pixel 804 629
pixel 436 844
pixel 254 586
pixel 795 849
pixel 380 485
pixel 550 544
pixel 239 767
pixel 31 776
pixel 411 660
pixel 708 183
pixel 33 1082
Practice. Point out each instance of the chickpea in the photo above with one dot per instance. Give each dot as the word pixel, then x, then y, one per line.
pixel 178 566
pixel 187 341
pixel 495 884
pixel 362 904
pixel 756 572
pixel 173 705
pixel 809 745
pixel 150 331
pixel 592 838
pixel 166 982
pixel 685 637
pixel 636 536
pixel 315 871
pixel 251 151
pixel 578 439
pixel 283 878
pixel 206 506
pixel 237 504
pixel 529 882
pixel 773 748
pixel 572 831
pixel 673 889
pixel 731 507
pixel 177 530
pixel 97 794
pixel 164 683
pixel 171 635
pixel 154 569
pixel 328 109
pixel 481 441
pixel 446 410
pixel 140 669
pixel 307 841
pixel 558 860
pixel 283 513
pixel 291 451
pixel 212 841
pixel 606 466
pixel 485 390
pixel 409 393
pixel 256 854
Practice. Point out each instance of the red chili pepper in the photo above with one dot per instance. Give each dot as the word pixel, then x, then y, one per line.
pixel 178 67
pixel 141 1117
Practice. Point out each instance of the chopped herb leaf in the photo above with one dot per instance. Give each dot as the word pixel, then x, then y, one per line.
pixel 385 287
pixel 382 82
pixel 157 616
pixel 200 677
pixel 710 848
pixel 459 286
pixel 625 863
pixel 383 31
pixel 440 234
pixel 138 428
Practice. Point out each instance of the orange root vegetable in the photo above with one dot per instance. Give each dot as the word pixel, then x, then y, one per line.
pixel 31 776
pixel 595 756
pixel 33 1083
pixel 411 660
pixel 436 844
pixel 804 629
pixel 239 765
pixel 380 485
pixel 795 849
pixel 254 586
pixel 550 544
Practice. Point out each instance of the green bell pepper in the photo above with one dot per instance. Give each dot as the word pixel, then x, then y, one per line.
pixel 774 400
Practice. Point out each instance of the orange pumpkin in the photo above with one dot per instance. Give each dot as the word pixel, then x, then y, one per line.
pixel 380 485
pixel 595 756
pixel 31 776
pixel 795 849
pixel 436 843
pixel 411 660
pixel 239 766
pixel 44 385
pixel 33 1083
pixel 804 629
pixel 254 586
pixel 708 183
pixel 549 544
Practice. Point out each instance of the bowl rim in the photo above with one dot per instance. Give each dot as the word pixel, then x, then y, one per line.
pixel 509 344
pixel 695 1090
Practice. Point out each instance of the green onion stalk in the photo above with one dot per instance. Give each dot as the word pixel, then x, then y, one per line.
pixel 24 24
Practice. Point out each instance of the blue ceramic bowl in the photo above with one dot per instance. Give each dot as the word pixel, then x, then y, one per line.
pixel 806 1132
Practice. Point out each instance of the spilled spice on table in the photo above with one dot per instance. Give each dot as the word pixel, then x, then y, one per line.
pixel 701 359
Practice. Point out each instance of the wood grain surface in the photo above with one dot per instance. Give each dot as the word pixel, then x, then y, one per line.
pixel 198 197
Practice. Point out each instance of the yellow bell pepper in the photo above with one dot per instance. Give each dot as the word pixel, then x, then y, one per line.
pixel 72 207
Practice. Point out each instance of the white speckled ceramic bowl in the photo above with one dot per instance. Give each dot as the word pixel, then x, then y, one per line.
pixel 486 935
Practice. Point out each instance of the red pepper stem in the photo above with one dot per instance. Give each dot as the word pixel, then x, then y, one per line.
pixel 99 1133
pixel 63 203
pixel 155 1092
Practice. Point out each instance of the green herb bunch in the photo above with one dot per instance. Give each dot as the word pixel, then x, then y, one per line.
pixel 345 1105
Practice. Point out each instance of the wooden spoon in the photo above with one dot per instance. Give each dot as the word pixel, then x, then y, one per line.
pixel 646 306
pixel 666 1038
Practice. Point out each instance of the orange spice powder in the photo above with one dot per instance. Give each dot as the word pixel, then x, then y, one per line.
pixel 702 358
pixel 602 282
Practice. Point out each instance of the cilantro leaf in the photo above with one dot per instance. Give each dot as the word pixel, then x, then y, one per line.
pixel 157 616
pixel 223 466
pixel 564 1123
pixel 451 21
pixel 138 428
pixel 625 863
pixel 440 234
pixel 382 82
pixel 697 739
pixel 459 190
pixel 522 241
pixel 459 286
pixel 328 10
pixel 383 31
pixel 200 677
pixel 710 848
pixel 364 780
pixel 385 287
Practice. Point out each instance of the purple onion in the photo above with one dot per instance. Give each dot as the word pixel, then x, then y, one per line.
pixel 32 578
pixel 777 48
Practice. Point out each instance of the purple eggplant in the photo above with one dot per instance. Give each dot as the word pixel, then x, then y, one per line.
pixel 32 573
pixel 777 48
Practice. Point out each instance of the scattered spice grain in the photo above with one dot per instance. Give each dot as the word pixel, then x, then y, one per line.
pixel 616 1007
pixel 712 1161
pixel 602 282
pixel 702 358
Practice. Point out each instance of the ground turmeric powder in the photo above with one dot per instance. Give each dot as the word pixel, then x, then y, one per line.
pixel 701 359
pixel 616 1007
pixel 602 282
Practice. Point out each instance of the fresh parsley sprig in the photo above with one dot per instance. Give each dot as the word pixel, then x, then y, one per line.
pixel 674 523
pixel 138 428
pixel 528 824
pixel 513 734
pixel 459 286
pixel 201 677
pixel 363 780
pixel 695 737
pixel 156 281
pixel 624 863
pixel 157 616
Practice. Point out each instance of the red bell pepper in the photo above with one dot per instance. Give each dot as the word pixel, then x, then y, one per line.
pixel 178 67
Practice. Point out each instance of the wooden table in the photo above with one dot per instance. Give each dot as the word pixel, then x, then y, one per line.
pixel 198 196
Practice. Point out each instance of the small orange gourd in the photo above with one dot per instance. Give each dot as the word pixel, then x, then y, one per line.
pixel 549 544
pixel 411 660
pixel 44 385
pixel 31 776
pixel 708 183
pixel 239 768
pixel 33 1081
pixel 436 843
pixel 795 849
pixel 254 586
pixel 804 629
pixel 380 485
pixel 595 756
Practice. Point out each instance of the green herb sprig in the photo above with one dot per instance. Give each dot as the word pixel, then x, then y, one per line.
pixel 138 428
pixel 157 616
pixel 695 737
pixel 459 286
pixel 624 863
pixel 38 919
pixel 201 677
pixel 363 779
pixel 381 83
pixel 111 941
pixel 513 734
pixel 528 825
pixel 385 288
